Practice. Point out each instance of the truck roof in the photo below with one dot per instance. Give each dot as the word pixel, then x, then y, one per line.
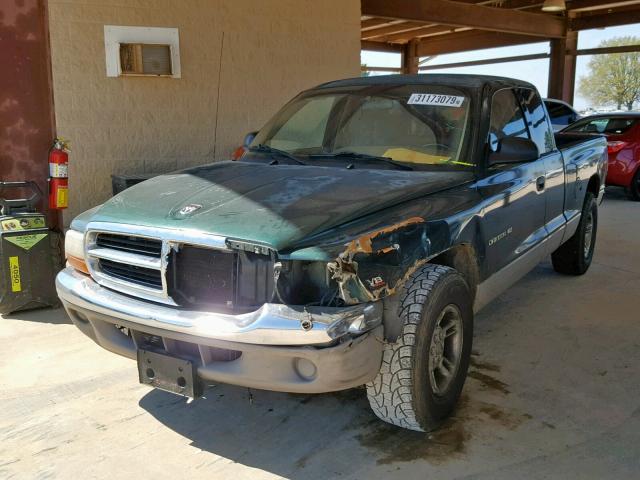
pixel 451 79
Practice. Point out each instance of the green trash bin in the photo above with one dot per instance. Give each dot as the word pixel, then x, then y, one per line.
pixel 26 273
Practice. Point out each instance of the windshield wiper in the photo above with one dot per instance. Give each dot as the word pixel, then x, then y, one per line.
pixel 261 148
pixel 362 156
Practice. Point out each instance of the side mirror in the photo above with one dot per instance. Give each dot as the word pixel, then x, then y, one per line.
pixel 513 150
pixel 248 138
pixel 242 149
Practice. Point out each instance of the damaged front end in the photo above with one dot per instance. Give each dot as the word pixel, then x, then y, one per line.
pixel 377 264
pixel 367 268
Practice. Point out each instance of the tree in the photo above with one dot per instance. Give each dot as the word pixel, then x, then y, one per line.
pixel 613 78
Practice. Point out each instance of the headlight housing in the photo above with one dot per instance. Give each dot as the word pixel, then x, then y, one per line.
pixel 74 250
pixel 359 322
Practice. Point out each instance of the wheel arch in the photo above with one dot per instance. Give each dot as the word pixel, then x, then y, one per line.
pixel 461 257
pixel 594 185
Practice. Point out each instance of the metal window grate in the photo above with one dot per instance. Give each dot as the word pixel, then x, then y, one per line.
pixel 145 59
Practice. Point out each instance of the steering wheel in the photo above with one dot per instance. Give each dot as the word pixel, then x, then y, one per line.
pixel 439 146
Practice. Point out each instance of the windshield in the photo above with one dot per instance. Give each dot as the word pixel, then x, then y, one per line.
pixel 424 126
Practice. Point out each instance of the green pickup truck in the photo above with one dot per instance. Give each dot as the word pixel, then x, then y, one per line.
pixel 350 244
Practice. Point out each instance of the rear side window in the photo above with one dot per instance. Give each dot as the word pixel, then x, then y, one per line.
pixel 560 114
pixel 507 119
pixel 541 131
pixel 606 125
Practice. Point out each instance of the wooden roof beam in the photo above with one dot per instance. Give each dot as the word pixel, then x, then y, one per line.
pixel 391 29
pixel 472 40
pixel 588 22
pixel 591 5
pixel 380 46
pixel 374 22
pixel 420 33
pixel 457 14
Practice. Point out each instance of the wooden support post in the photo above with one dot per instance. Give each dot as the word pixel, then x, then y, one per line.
pixel 556 68
pixel 410 58
pixel 562 67
pixel 569 81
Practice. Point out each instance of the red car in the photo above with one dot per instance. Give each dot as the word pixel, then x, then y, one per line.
pixel 623 133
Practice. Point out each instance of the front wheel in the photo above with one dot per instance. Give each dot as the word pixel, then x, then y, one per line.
pixel 575 255
pixel 423 372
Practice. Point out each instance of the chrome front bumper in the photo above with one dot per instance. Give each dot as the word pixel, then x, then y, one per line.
pixel 272 324
pixel 273 348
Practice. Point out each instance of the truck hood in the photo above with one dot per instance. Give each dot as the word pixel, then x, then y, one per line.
pixel 273 205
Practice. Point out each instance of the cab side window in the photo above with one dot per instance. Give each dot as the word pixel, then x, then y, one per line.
pixel 507 119
pixel 560 114
pixel 541 129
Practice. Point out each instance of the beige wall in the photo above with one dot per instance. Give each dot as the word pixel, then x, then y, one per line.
pixel 272 49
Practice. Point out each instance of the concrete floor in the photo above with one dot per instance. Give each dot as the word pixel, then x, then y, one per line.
pixel 553 393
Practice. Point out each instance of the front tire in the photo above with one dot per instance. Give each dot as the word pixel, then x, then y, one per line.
pixel 423 372
pixel 575 255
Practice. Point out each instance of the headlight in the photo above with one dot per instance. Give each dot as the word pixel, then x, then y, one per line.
pixel 74 250
pixel 359 322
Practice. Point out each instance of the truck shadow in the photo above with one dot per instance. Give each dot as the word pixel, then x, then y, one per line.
pixel 616 193
pixel 54 316
pixel 323 436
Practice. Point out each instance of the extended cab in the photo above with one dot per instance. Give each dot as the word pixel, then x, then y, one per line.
pixel 351 244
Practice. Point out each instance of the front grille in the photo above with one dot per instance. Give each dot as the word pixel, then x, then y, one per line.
pixel 202 276
pixel 190 275
pixel 146 277
pixel 131 244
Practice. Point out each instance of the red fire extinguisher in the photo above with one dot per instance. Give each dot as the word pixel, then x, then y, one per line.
pixel 58 174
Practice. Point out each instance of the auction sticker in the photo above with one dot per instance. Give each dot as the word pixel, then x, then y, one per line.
pixel 435 99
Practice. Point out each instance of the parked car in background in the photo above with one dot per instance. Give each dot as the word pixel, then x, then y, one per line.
pixel 561 113
pixel 623 135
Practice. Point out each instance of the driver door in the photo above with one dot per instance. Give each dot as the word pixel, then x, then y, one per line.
pixel 513 197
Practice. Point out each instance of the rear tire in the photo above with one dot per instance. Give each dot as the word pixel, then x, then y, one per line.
pixel 634 187
pixel 575 255
pixel 423 372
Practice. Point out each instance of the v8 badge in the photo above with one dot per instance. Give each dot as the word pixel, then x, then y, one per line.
pixel 376 282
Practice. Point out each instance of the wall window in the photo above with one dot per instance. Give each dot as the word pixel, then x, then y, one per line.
pixel 141 59
pixel 146 51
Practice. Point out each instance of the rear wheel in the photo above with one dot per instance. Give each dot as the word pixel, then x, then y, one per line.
pixel 634 187
pixel 423 372
pixel 575 255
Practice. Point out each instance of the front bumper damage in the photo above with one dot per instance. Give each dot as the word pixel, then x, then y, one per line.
pixel 277 347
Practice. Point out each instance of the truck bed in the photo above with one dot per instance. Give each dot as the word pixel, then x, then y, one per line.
pixel 567 140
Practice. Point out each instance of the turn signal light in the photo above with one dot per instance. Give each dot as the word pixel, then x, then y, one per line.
pixel 238 153
pixel 78 263
pixel 615 147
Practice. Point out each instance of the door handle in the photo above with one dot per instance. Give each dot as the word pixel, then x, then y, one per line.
pixel 540 181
